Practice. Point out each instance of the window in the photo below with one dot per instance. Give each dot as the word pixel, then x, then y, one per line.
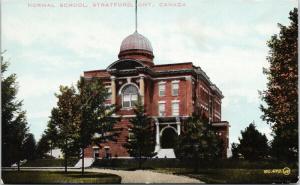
pixel 175 108
pixel 162 89
pixel 130 135
pixel 109 92
pixel 175 88
pixel 129 96
pixel 161 109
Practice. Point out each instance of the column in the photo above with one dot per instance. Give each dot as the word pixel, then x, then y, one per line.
pixel 178 125
pixel 113 89
pixel 142 87
pixel 157 146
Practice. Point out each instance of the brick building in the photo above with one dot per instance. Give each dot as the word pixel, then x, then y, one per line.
pixel 170 93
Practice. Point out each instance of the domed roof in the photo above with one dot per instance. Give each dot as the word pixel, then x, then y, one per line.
pixel 136 41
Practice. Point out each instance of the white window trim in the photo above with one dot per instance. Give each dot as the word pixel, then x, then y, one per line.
pixel 164 85
pixel 175 101
pixel 162 103
pixel 173 83
pixel 162 82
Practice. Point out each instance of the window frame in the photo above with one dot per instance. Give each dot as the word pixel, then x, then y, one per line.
pixel 161 84
pixel 178 109
pixel 164 107
pixel 131 102
pixel 173 84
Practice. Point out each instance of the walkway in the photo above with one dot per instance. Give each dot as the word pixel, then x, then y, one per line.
pixel 138 176
pixel 146 176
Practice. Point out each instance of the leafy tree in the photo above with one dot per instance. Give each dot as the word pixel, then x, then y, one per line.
pixel 29 147
pixel 142 143
pixel 198 141
pixel 14 123
pixel 81 118
pixel 280 108
pixel 43 146
pixel 51 135
pixel 234 150
pixel 94 116
pixel 253 145
pixel 64 118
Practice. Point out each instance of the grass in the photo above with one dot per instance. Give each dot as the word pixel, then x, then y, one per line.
pixel 234 176
pixel 47 177
pixel 50 162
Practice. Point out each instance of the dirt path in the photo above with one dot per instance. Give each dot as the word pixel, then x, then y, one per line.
pixel 146 176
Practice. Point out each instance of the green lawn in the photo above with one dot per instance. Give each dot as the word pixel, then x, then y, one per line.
pixel 47 177
pixel 233 176
pixel 50 162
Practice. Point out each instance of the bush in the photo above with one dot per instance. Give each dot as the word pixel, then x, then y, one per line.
pixel 154 163
pixel 50 162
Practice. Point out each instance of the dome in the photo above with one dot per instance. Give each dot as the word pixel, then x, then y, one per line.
pixel 136 41
pixel 137 47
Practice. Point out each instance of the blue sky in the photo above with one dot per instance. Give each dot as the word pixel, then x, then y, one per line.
pixel 48 47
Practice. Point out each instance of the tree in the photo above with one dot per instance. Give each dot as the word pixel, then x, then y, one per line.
pixel 198 141
pixel 234 150
pixel 42 146
pixel 81 118
pixel 65 120
pixel 29 147
pixel 280 108
pixel 142 143
pixel 14 123
pixel 252 145
pixel 94 116
pixel 51 136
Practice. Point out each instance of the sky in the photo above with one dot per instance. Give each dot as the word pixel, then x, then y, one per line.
pixel 52 45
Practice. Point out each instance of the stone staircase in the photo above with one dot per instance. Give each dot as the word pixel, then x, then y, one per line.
pixel 166 153
pixel 87 163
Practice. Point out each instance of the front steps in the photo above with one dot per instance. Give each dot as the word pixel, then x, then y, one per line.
pixel 87 162
pixel 166 153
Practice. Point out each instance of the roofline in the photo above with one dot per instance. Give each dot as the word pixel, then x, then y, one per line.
pixel 173 64
pixel 98 70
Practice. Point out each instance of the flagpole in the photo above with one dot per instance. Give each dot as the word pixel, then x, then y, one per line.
pixel 136 15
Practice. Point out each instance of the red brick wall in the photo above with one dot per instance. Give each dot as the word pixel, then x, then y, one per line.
pixel 116 147
pixel 184 97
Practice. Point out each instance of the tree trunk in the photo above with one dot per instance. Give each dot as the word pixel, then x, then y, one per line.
pixel 140 160
pixel 51 149
pixel 66 163
pixel 82 162
pixel 18 164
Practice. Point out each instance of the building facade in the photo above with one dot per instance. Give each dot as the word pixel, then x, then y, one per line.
pixel 170 94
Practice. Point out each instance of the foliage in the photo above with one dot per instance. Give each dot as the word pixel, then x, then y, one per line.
pixel 50 177
pixel 253 145
pixel 162 163
pixel 29 147
pixel 42 146
pixel 234 150
pixel 50 162
pixel 64 118
pixel 94 116
pixel 142 143
pixel 14 123
pixel 198 141
pixel 280 108
pixel 81 118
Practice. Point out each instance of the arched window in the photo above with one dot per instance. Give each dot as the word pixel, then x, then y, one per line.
pixel 129 95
